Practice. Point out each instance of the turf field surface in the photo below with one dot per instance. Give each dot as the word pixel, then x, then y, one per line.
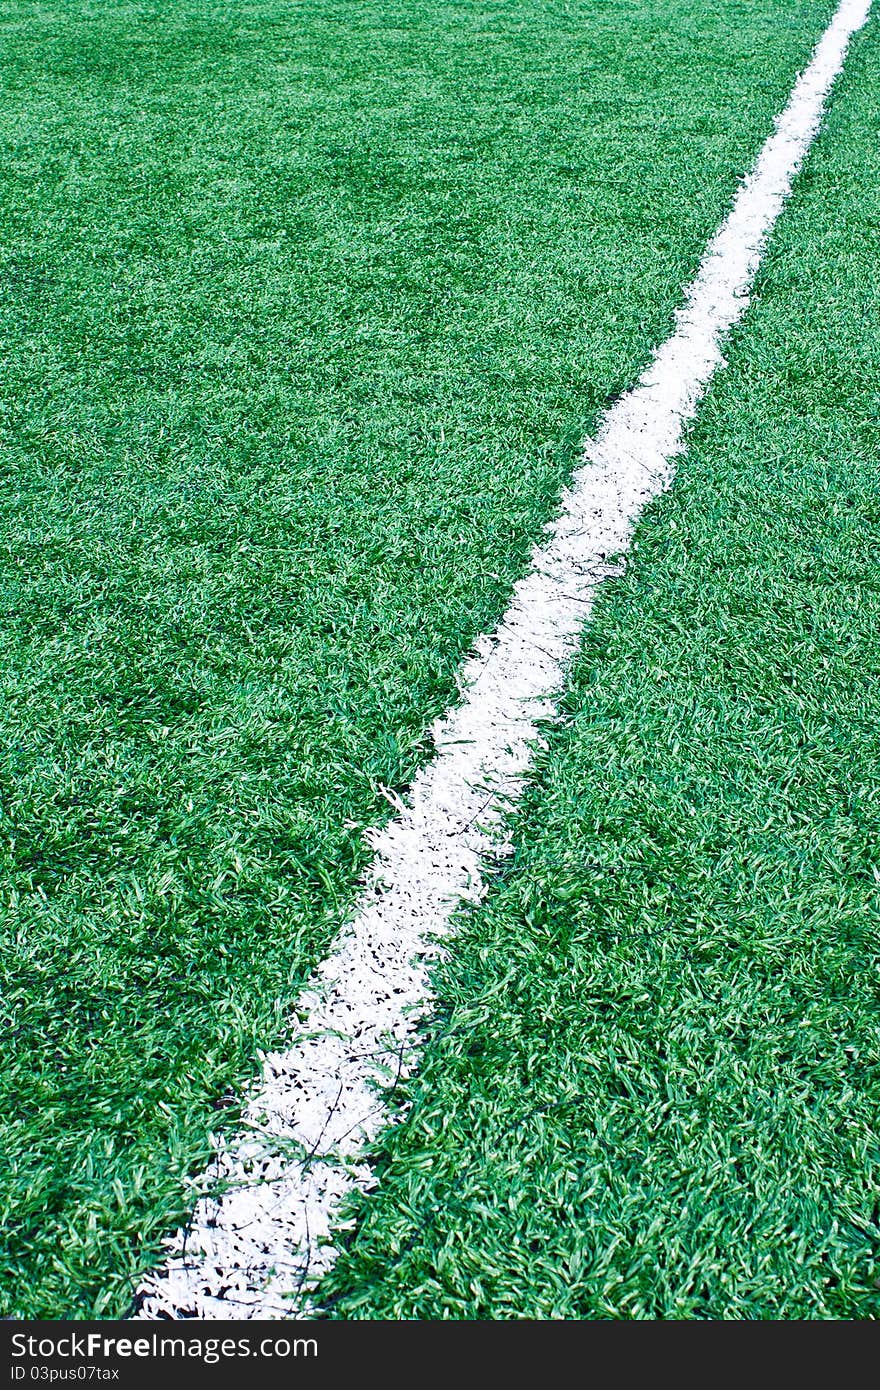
pixel 261 1239
pixel 270 465
pixel 653 1079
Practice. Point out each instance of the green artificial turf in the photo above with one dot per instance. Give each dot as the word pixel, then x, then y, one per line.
pixel 304 309
pixel 653 1079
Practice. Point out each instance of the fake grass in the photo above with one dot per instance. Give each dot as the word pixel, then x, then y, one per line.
pixel 304 310
pixel 653 1081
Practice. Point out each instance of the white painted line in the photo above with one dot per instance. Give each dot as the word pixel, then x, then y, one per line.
pixel 255 1251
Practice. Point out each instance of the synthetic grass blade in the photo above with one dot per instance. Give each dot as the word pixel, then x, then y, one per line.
pixel 253 1246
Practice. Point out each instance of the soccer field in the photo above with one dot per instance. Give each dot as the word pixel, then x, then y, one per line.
pixel 307 311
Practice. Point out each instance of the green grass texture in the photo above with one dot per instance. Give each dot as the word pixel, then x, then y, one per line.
pixel 653 1078
pixel 304 312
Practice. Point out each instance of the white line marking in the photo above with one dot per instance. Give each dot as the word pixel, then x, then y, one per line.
pixel 317 1107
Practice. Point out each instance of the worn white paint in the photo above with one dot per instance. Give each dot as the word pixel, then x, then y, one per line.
pixel 255 1250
